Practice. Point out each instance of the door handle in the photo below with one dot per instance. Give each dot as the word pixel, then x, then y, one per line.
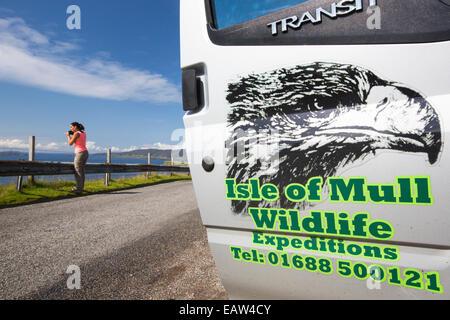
pixel 193 90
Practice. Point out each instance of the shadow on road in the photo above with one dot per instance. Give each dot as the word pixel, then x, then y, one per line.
pixel 154 267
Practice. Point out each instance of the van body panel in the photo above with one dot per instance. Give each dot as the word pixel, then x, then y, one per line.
pixel 412 77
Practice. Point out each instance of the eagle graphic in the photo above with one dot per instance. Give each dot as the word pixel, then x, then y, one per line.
pixel 320 117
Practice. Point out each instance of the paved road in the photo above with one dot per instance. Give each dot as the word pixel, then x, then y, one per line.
pixel 145 243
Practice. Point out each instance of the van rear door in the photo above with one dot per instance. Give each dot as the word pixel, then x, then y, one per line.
pixel 316 136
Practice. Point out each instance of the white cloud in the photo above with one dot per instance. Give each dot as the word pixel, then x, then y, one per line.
pixel 19 144
pixel 92 146
pixel 30 58
pixel 164 146
pixel 22 145
pixel 12 144
pixel 52 146
pixel 6 11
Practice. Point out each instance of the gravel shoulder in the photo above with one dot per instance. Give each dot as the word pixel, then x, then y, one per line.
pixel 146 243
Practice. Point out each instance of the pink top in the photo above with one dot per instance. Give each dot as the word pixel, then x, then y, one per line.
pixel 80 143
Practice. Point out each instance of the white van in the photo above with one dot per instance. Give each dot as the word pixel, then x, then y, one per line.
pixel 316 136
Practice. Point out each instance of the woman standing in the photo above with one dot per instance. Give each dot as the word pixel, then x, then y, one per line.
pixel 81 154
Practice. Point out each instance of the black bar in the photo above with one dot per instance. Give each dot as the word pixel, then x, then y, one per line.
pixel 25 168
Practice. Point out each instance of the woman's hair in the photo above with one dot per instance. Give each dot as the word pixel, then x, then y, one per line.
pixel 78 125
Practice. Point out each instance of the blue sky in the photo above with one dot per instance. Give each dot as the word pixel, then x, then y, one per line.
pixel 119 75
pixel 231 12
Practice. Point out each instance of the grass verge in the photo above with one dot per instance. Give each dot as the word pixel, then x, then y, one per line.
pixel 40 191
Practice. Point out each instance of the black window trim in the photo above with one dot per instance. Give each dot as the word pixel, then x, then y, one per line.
pixel 254 33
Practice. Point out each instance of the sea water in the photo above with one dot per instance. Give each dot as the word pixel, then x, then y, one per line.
pixel 67 157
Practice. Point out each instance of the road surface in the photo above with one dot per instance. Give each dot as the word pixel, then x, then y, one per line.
pixel 145 243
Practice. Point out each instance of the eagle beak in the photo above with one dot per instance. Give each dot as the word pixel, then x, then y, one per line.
pixel 433 156
pixel 395 117
pixel 411 119
pixel 432 139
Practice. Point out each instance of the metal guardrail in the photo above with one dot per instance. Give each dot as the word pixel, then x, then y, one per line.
pixel 31 168
pixel 26 168
pixel 10 168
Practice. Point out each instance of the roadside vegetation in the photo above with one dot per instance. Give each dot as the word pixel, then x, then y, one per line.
pixel 175 163
pixel 51 190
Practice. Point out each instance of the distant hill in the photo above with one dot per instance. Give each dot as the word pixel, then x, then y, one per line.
pixel 179 155
pixel 13 153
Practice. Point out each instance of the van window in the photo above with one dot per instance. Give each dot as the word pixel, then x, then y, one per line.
pixel 230 12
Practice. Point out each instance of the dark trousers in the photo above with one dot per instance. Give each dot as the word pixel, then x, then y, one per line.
pixel 79 164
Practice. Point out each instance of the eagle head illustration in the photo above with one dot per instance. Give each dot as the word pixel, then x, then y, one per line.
pixel 320 117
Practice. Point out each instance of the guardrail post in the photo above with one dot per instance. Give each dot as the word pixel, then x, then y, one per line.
pixel 19 183
pixel 31 154
pixel 149 157
pixel 108 175
pixel 171 163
